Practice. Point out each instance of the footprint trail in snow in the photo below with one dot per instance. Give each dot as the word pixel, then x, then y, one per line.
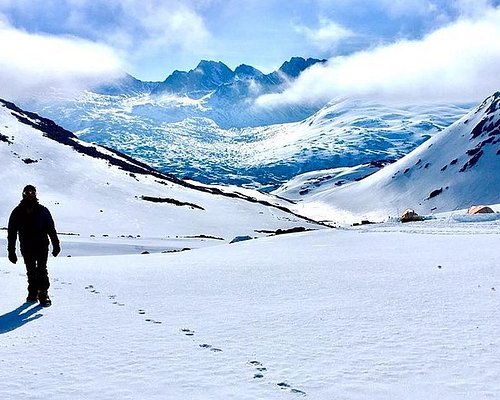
pixel 259 369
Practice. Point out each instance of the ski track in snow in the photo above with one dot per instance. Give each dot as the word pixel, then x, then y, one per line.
pixel 332 314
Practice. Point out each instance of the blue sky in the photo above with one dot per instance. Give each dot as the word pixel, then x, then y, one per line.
pixel 151 38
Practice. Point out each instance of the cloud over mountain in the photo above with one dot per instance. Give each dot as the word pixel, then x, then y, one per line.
pixel 36 63
pixel 459 62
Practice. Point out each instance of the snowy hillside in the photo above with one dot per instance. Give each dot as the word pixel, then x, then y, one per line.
pixel 345 133
pixel 456 168
pixel 309 183
pixel 95 192
pixel 176 135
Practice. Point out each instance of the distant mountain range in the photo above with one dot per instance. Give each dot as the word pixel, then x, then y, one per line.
pixel 214 78
pixel 203 125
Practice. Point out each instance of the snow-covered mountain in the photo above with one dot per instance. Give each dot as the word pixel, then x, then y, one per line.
pixel 211 90
pixel 225 96
pixel 217 79
pixel 175 135
pixel 456 168
pixel 345 132
pixel 92 190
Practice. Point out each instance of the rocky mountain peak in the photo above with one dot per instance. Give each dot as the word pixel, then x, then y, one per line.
pixel 214 68
pixel 296 65
pixel 247 71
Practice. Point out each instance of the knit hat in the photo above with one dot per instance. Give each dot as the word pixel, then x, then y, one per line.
pixel 28 188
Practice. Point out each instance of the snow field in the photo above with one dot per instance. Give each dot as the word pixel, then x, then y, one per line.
pixel 328 314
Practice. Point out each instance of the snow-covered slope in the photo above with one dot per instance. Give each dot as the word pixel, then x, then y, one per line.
pixel 454 169
pixel 177 135
pixel 310 183
pixel 347 133
pixel 95 191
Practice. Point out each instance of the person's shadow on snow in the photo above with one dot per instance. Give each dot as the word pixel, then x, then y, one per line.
pixel 18 317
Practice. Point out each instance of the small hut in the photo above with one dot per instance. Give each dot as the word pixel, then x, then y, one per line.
pixel 410 215
pixel 480 210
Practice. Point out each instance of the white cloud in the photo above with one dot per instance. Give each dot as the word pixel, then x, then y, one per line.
pixel 137 25
pixel 138 29
pixel 144 31
pixel 33 64
pixel 459 62
pixel 181 26
pixel 327 36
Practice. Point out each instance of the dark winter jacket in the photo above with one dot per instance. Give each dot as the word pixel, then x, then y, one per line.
pixel 34 225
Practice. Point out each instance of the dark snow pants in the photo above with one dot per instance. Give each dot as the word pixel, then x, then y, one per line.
pixel 36 269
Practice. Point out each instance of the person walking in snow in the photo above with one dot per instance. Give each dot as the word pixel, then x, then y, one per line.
pixel 35 225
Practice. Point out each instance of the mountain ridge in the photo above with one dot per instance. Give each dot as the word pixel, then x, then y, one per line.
pixel 207 76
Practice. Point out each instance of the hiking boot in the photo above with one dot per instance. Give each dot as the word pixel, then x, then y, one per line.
pixel 44 299
pixel 32 297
